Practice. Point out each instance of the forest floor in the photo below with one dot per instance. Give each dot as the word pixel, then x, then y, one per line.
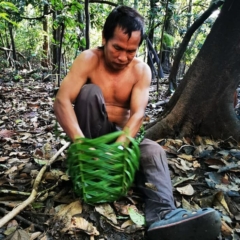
pixel 204 172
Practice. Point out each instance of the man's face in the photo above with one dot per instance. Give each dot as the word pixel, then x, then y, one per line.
pixel 120 50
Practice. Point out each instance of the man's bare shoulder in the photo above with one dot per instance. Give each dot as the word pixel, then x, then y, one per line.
pixel 140 68
pixel 90 55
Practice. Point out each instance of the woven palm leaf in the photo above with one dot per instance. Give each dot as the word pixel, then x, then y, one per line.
pixel 101 170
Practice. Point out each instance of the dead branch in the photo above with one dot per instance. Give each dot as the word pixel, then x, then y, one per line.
pixel 34 192
pixel 20 218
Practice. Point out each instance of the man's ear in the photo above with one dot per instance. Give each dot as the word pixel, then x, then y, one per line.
pixel 103 39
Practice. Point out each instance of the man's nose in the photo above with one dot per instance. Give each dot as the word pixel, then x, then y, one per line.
pixel 122 56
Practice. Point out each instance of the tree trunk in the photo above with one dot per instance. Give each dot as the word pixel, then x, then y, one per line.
pixel 203 102
pixel 87 17
pixel 60 53
pixel 45 60
pixel 136 4
pixel 10 28
pixel 151 35
pixel 169 29
pixel 183 46
pixel 55 47
pixel 189 14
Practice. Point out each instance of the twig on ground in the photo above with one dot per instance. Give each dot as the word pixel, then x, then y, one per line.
pixel 51 188
pixel 4 211
pixel 34 192
pixel 14 192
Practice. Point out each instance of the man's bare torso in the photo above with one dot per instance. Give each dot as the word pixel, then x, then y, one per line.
pixel 116 88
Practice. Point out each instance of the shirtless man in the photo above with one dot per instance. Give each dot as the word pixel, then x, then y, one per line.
pixel 109 89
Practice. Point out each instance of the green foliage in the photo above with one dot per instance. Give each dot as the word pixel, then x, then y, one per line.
pixel 17 77
pixel 168 40
pixel 29 35
pixel 141 134
pixel 5 9
pixel 7 6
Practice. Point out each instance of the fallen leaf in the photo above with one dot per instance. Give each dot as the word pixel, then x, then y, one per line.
pixel 107 211
pixel 3 159
pixel 186 205
pixel 226 230
pixel 20 234
pixel 6 133
pixel 35 235
pixel 79 223
pixel 177 180
pixel 219 200
pixel 186 190
pixel 186 157
pixel 67 211
pixel 151 186
pixel 136 217
pixel 127 223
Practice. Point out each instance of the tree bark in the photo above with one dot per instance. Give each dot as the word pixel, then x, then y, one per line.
pixel 10 28
pixel 60 53
pixel 136 4
pixel 203 102
pixel 55 47
pixel 87 24
pixel 45 60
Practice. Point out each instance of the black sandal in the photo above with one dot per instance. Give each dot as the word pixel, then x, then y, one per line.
pixel 180 224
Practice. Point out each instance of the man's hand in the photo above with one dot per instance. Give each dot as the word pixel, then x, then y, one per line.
pixel 123 140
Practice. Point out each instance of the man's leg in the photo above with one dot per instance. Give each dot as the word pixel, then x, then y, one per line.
pixel 91 112
pixel 153 180
pixel 165 222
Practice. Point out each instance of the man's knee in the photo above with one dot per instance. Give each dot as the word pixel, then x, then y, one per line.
pixel 150 148
pixel 89 91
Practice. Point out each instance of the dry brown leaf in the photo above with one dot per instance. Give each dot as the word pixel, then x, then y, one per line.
pixel 12 223
pixel 69 210
pixel 25 135
pixel 186 190
pixel 79 223
pixel 219 201
pixel 226 230
pixel 3 159
pixel 20 234
pixel 4 133
pixel 107 211
pixel 35 235
pixel 186 205
pixel 11 170
pixel 209 142
pixel 196 164
pixel 186 157
pixel 151 186
pixel 127 223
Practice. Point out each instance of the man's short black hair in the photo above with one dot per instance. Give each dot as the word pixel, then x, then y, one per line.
pixel 127 19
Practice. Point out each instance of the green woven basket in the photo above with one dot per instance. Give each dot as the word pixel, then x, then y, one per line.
pixel 101 170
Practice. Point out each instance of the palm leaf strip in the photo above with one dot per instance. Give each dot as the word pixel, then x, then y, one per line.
pixel 100 170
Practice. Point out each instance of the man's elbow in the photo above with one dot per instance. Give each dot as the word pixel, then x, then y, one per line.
pixel 58 104
pixel 139 116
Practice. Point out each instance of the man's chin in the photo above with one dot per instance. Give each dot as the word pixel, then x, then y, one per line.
pixel 119 66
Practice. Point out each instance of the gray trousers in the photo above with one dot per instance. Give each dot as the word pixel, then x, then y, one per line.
pixel 93 121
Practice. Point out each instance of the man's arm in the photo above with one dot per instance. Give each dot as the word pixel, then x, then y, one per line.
pixel 69 90
pixel 139 100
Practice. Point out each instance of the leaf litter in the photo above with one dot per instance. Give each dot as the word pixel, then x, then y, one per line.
pixel 204 173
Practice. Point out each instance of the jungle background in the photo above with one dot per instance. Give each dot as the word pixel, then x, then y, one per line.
pixel 38 42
